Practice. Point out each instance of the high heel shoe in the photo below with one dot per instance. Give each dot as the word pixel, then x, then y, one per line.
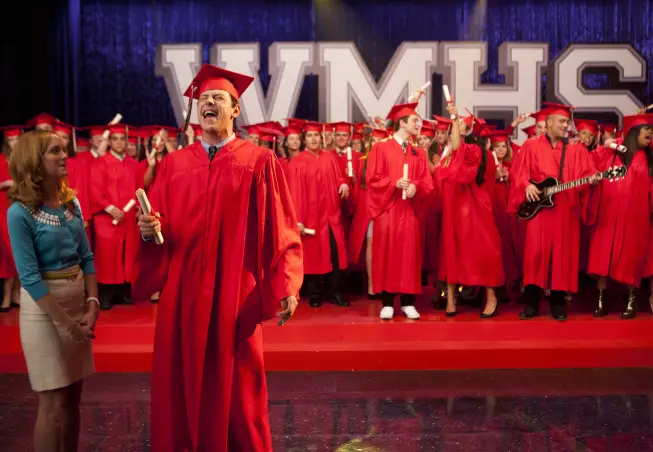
pixel 492 314
pixel 600 310
pixel 631 307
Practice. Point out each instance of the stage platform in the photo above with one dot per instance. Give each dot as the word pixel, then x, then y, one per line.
pixel 332 338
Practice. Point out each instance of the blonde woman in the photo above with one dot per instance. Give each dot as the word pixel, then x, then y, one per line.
pixel 59 305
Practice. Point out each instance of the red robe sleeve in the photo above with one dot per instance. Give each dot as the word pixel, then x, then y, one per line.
pixel 151 263
pixel 520 176
pixel 98 193
pixel 464 165
pixel 382 189
pixel 296 189
pixel 281 268
pixel 422 178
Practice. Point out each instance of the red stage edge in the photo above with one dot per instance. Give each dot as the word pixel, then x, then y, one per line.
pixel 354 339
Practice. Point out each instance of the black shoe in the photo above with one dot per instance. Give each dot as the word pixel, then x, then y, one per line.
pixel 492 314
pixel 439 300
pixel 373 296
pixel 451 314
pixel 631 308
pixel 600 310
pixel 7 309
pixel 558 312
pixel 127 300
pixel 522 298
pixel 339 300
pixel 529 312
pixel 14 305
pixel 315 302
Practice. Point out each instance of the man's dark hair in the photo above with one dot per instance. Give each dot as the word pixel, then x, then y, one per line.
pixel 397 124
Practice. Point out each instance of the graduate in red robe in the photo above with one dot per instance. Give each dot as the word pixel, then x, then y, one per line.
pixel 352 171
pixel 397 266
pixel 553 235
pixel 318 187
pixel 429 215
pixel 116 178
pixel 470 242
pixel 506 222
pixel 231 254
pixel 623 222
pixel 360 233
pixel 11 285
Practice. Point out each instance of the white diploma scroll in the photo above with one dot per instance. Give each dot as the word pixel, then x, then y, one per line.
pixel 131 203
pixel 617 147
pixel 116 119
pixel 147 210
pixel 404 192
pixel 350 166
pixel 415 97
pixel 447 97
pixel 306 230
pixel 496 161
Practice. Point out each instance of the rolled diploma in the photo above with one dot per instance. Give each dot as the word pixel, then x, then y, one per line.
pixel 306 230
pixel 423 88
pixel 147 210
pixel 445 153
pixel 116 119
pixel 447 96
pixel 131 203
pixel 496 161
pixel 350 166
pixel 403 193
pixel 157 140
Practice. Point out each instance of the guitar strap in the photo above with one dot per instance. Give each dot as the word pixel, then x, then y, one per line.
pixel 562 159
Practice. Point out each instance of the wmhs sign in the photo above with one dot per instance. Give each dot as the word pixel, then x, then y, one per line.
pixel 345 80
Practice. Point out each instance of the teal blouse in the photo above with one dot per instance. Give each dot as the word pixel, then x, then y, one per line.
pixel 44 240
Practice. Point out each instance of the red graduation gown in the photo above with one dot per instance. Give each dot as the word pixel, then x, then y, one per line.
pixel 470 242
pixel 507 226
pixel 314 182
pixel 553 236
pixel 397 263
pixel 7 266
pixel 430 225
pixel 81 174
pixel 618 242
pixel 115 183
pixel 348 206
pixel 359 224
pixel 231 252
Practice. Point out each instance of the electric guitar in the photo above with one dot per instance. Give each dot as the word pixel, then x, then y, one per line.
pixel 550 186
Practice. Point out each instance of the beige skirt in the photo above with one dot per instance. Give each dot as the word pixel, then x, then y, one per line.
pixel 54 360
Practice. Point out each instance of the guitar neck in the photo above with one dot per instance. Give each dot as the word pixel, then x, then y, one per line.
pixel 566 186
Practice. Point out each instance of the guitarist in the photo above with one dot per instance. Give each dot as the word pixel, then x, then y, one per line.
pixel 552 236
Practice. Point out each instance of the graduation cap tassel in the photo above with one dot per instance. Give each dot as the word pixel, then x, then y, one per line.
pixel 189 109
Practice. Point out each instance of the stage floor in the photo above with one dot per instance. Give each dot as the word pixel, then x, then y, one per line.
pixel 333 338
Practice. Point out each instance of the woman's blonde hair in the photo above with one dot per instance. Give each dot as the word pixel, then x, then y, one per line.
pixel 26 169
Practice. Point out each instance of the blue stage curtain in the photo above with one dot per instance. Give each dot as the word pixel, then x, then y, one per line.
pixel 114 69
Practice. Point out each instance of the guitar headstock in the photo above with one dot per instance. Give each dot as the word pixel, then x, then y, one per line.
pixel 614 173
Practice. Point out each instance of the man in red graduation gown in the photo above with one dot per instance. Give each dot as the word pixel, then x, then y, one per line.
pixel 231 254
pixel 553 235
pixel 318 186
pixel 116 178
pixel 342 135
pixel 396 267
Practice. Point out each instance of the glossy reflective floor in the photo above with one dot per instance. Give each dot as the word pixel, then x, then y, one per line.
pixel 502 411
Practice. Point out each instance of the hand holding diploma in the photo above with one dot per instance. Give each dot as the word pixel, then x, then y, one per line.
pixel 125 209
pixel 419 93
pixel 148 222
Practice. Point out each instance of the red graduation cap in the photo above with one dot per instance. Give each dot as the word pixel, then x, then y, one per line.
pixel 42 118
pixel 12 131
pixel 252 129
pixel 636 120
pixel 442 123
pixel 328 126
pixel 380 133
pixel 402 110
pixel 356 137
pixel 118 128
pixel 212 77
pixel 359 127
pixel 487 129
pixel 427 130
pixel 141 132
pixel 529 131
pixel 60 126
pixel 272 125
pixel 95 130
pixel 342 127
pixel 610 128
pixel 540 116
pixel 586 124
pixel 296 123
pixel 292 130
pixel 499 136
pixel 83 143
pixel 132 139
pixel 478 123
pixel 558 109
pixel 312 126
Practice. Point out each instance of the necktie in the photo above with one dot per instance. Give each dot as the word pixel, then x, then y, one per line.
pixel 212 151
pixel 403 146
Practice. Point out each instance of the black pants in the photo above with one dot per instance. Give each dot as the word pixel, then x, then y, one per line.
pixel 114 293
pixel 328 286
pixel 389 298
pixel 533 295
